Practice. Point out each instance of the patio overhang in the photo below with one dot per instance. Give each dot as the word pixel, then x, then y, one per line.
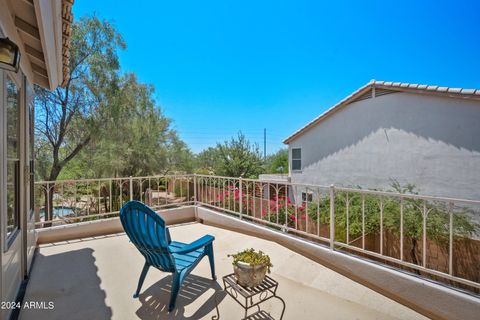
pixel 41 29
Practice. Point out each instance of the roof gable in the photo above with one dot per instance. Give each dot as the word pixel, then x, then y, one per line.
pixel 379 88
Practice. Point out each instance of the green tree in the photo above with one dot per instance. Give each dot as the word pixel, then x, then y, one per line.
pixel 68 118
pixel 236 157
pixel 239 158
pixel 103 123
pixel 278 162
pixel 135 139
pixel 208 161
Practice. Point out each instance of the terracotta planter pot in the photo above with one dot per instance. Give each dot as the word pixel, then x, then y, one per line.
pixel 248 276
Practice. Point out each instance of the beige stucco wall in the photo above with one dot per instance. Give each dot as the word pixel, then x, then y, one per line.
pixel 106 226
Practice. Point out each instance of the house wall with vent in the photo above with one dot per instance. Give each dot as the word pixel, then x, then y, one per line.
pixel 430 141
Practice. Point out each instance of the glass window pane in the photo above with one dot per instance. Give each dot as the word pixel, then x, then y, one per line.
pixel 296 164
pixel 13 161
pixel 12 119
pixel 296 153
pixel 29 94
pixel 12 197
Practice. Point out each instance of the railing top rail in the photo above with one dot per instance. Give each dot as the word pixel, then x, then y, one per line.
pixel 221 177
pixel 288 183
pixel 114 179
pixel 407 195
pixel 264 181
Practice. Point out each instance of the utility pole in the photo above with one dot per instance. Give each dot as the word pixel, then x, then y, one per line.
pixel 265 143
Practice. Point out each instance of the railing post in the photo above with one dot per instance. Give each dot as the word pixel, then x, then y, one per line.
pixel 450 239
pixel 332 216
pixel 131 188
pixel 47 205
pixel 240 197
pixel 401 229
pixel 195 189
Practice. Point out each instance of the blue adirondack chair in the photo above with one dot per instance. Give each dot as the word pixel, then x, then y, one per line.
pixel 147 231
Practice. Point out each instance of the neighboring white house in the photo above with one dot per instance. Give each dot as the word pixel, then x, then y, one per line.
pixel 424 135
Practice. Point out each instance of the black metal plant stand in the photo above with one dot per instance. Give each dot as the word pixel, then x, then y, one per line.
pixel 250 297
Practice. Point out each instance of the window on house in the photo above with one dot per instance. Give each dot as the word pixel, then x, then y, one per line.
pixel 297 159
pixel 307 196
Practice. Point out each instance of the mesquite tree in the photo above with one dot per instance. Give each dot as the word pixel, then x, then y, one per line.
pixel 68 118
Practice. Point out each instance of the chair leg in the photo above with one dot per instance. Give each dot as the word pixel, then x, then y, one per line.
pixel 209 250
pixel 142 278
pixel 175 289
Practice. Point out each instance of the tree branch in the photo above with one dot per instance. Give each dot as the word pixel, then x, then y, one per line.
pixel 75 151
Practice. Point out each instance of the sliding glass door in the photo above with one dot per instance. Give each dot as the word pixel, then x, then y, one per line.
pixel 11 176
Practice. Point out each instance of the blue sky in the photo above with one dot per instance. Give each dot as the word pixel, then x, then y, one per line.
pixel 223 66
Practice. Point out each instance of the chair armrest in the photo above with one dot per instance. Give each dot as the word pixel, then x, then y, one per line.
pixel 167 233
pixel 195 245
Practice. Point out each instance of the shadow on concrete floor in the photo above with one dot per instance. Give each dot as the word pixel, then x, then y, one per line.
pixel 70 281
pixel 155 299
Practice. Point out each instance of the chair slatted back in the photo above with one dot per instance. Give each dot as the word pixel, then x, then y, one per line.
pixel 146 229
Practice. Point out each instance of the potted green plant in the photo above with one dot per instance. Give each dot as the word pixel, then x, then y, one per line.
pixel 250 267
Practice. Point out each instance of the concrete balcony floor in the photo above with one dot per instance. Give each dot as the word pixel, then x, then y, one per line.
pixel 94 278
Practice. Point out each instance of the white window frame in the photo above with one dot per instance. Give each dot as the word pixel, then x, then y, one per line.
pixel 9 239
pixel 296 159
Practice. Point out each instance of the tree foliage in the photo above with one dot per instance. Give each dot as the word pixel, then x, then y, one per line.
pixel 208 161
pixel 68 118
pixel 134 140
pixel 103 123
pixel 278 162
pixel 236 157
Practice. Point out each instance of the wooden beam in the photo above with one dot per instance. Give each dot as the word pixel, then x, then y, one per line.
pixel 40 80
pixel 34 53
pixel 39 70
pixel 27 27
pixel 30 2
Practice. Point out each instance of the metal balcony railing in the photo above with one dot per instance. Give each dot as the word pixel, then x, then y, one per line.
pixel 434 237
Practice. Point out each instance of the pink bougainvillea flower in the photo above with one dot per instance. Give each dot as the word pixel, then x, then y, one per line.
pixel 292 217
pixel 264 212
pixel 303 217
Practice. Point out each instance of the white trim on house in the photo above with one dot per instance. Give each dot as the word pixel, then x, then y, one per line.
pixel 49 24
